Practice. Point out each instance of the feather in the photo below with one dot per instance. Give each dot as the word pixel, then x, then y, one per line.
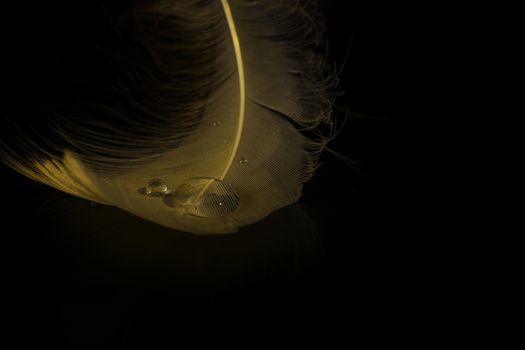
pixel 214 123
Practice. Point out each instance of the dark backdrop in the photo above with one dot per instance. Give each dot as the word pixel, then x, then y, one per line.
pixel 367 254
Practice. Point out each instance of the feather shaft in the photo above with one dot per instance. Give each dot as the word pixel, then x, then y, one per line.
pixel 242 84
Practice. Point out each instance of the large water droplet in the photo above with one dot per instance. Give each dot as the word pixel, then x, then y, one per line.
pixel 216 123
pixel 243 160
pixel 204 197
pixel 155 188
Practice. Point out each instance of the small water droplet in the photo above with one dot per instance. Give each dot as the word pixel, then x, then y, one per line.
pixel 216 123
pixel 155 188
pixel 243 160
pixel 227 142
pixel 204 197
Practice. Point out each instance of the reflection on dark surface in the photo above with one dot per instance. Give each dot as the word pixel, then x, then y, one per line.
pixel 90 273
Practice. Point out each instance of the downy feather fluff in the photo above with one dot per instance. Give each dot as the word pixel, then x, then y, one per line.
pixel 216 105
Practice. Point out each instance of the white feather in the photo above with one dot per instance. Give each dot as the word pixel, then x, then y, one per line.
pixel 243 137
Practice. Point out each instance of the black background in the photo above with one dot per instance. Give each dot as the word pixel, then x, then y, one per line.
pixel 366 255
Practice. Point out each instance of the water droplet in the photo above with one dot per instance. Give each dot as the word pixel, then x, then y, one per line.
pixel 227 143
pixel 155 188
pixel 204 197
pixel 243 160
pixel 216 123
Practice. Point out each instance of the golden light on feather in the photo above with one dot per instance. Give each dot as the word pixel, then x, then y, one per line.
pixel 228 91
